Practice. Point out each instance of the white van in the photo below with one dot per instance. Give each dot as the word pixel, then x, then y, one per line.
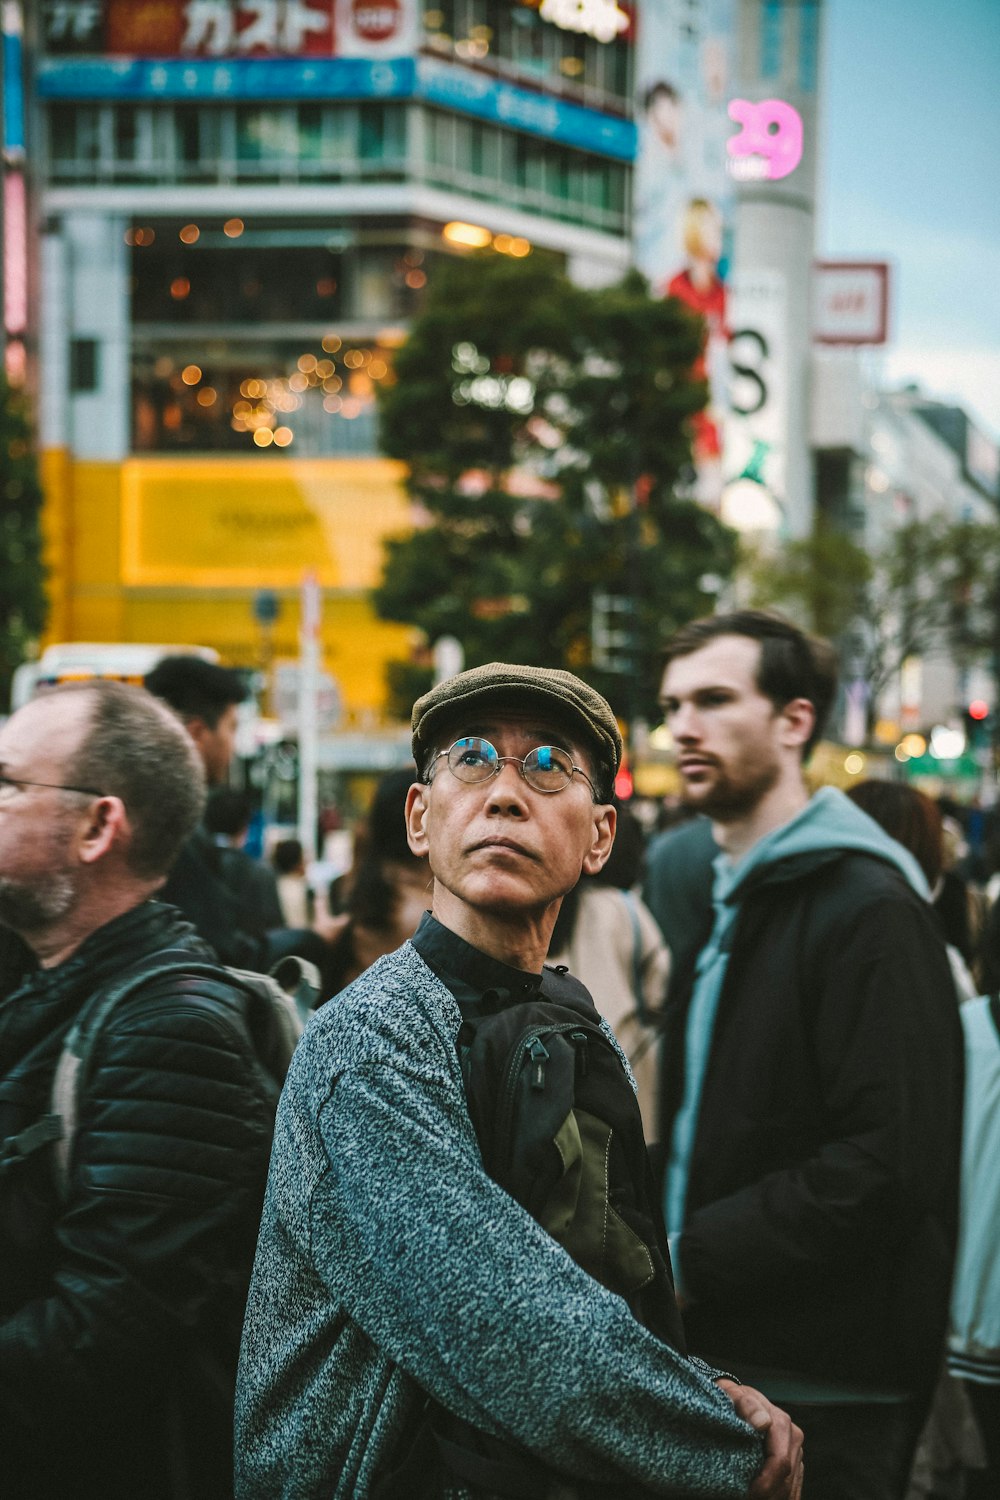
pixel 77 661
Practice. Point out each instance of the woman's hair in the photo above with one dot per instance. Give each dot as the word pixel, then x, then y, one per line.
pixel 908 816
pixel 373 893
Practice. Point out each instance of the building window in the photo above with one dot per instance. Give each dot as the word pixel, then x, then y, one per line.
pixel 526 172
pixel 510 39
pixel 221 143
pixel 84 376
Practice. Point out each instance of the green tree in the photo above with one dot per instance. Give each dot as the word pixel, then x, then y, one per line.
pixel 546 432
pixel 934 585
pixel 22 597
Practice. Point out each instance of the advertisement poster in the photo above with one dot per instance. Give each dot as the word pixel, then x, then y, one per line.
pixel 756 423
pixel 683 190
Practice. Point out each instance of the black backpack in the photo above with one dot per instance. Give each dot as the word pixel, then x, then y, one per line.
pixel 277 1006
pixel 559 1128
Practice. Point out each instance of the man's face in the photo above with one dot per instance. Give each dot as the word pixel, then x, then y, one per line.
pixel 501 847
pixel 729 736
pixel 39 874
pixel 217 745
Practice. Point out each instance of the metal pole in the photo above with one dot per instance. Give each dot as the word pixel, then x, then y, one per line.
pixel 308 715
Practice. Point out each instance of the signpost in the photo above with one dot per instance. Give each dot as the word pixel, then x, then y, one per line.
pixel 309 649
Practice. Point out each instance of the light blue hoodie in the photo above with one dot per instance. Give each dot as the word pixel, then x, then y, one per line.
pixel 829 822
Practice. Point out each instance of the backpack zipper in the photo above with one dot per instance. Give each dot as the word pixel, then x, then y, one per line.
pixel 530 1043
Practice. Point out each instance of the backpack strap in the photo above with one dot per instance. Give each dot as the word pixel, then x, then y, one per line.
pixel 995 1010
pixel 274 1020
pixel 73 1067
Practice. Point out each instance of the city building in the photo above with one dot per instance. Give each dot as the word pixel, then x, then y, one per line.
pixel 237 207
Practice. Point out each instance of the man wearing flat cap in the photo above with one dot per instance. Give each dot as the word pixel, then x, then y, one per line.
pixel 393 1274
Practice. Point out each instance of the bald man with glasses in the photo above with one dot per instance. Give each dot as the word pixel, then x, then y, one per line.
pixel 125 1240
pixel 392 1271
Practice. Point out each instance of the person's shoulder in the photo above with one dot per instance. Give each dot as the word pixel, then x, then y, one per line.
pixel 860 877
pixel 173 989
pixel 396 1011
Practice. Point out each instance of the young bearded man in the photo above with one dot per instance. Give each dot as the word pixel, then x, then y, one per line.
pixel 391 1267
pixel 813 1088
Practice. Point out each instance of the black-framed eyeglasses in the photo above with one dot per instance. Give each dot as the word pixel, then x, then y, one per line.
pixel 15 782
pixel 547 768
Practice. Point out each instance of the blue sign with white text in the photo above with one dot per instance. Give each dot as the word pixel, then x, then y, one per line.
pixel 278 78
pixel 537 114
pixel 228 78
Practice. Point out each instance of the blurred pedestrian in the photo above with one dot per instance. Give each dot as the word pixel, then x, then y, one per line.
pixel 813 1079
pixel 206 698
pixel 609 940
pixel 974 1334
pixel 387 890
pixel 677 888
pixel 397 1282
pixel 289 863
pixel 125 1248
pixel 915 821
pixel 228 816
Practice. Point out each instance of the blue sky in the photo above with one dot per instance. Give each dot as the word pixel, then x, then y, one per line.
pixel 910 171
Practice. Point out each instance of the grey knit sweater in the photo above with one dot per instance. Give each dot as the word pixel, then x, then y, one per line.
pixel 389 1264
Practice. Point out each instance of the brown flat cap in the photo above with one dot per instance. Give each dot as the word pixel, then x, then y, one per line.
pixel 499 684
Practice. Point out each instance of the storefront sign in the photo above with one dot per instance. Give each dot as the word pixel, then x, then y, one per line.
pixel 230 28
pixel 850 302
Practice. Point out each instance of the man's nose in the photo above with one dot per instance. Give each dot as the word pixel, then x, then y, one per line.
pixel 508 788
pixel 684 723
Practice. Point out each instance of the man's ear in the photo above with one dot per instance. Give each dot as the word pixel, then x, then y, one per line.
pixel 106 823
pixel 197 728
pixel 605 822
pixel 417 813
pixel 799 715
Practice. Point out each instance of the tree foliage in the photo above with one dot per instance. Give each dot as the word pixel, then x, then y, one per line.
pixel 22 598
pixel 546 431
pixel 934 585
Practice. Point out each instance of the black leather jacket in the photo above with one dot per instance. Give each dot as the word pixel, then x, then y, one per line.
pixel 121 1303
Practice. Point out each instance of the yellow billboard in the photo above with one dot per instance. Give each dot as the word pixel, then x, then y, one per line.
pixel 244 523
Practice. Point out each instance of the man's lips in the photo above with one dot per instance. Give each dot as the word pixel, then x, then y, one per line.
pixel 503 845
pixel 688 765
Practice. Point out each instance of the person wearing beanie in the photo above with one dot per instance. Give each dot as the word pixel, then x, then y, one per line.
pixel 395 1278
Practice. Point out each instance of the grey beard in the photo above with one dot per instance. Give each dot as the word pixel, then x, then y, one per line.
pixel 26 908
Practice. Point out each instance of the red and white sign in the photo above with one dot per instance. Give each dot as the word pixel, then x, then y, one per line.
pixel 376 28
pixel 235 28
pixel 850 302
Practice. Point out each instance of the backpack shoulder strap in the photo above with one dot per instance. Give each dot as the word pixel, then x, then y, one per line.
pixel 76 1058
pixel 278 1005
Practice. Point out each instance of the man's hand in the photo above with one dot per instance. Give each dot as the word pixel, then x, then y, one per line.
pixel 781 1476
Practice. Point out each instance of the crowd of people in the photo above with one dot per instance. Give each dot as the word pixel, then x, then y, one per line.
pixel 605 1164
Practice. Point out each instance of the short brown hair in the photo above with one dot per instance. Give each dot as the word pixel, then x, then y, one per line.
pixel 792 663
pixel 135 748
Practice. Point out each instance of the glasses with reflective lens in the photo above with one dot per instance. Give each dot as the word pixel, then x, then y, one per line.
pixel 546 768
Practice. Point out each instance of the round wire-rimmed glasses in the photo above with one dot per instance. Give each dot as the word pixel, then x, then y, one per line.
pixel 546 769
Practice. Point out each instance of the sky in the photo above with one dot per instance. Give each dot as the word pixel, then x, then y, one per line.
pixel 910 173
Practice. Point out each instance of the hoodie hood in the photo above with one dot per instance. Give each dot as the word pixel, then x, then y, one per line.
pixel 829 825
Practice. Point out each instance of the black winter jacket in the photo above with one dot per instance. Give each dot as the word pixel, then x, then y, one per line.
pixel 121 1306
pixel 822 1196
